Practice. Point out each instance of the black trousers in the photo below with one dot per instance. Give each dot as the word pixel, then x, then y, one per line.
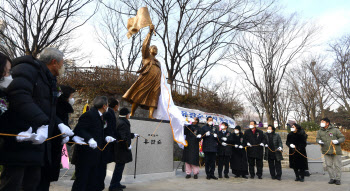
pixel 102 171
pixel 16 178
pixel 223 161
pixel 259 166
pixel 87 178
pixel 44 184
pixel 117 176
pixel 209 158
pixel 275 168
pixel 299 173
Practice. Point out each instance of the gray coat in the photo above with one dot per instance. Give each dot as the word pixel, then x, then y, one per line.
pixel 277 142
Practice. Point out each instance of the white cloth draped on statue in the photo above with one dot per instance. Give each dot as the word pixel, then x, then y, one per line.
pixel 167 110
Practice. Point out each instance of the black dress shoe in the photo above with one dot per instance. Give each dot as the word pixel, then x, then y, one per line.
pixel 237 176
pixel 122 186
pixel 116 189
pixel 278 178
pixel 208 177
pixel 195 176
pixel 273 177
pixel 301 180
pixel 226 176
pixel 331 181
pixel 251 177
pixel 220 176
pixel 297 179
pixel 337 182
pixel 259 177
pixel 244 176
pixel 214 177
pixel 188 176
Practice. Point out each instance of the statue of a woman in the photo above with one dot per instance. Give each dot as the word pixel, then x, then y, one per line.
pixel 146 90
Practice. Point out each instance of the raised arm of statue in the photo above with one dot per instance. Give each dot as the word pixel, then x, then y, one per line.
pixel 146 43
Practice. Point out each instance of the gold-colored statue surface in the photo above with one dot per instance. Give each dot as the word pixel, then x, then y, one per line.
pixel 146 90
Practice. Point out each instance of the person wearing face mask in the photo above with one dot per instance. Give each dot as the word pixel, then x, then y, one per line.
pixel 123 153
pixel 210 147
pixel 239 162
pixel 254 136
pixel 32 98
pixel 296 139
pixel 191 153
pixel 224 151
pixel 88 159
pixel 64 107
pixel 274 142
pixel 326 136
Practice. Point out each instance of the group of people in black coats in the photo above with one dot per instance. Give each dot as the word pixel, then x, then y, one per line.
pixel 242 152
pixel 34 108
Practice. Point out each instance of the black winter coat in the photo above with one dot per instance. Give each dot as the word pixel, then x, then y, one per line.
pixel 239 162
pixel 191 152
pixel 277 142
pixel 225 150
pixel 110 130
pixel 124 136
pixel 299 140
pixel 3 119
pixel 210 143
pixel 32 95
pixel 255 139
pixel 62 111
pixel 90 125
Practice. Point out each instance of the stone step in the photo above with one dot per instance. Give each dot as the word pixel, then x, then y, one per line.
pixel 345 162
pixel 346 168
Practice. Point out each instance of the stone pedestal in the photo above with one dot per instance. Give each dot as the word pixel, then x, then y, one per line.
pixel 155 154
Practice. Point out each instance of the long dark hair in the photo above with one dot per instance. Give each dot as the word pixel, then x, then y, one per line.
pixel 3 61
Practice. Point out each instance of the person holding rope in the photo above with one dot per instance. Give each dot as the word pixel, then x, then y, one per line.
pixel 239 162
pixel 273 152
pixel 123 153
pixel 191 152
pixel 224 151
pixel 210 147
pixel 326 136
pixel 89 160
pixel 296 141
pixel 32 117
pixel 255 142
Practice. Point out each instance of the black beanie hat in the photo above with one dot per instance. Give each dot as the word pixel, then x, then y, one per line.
pixel 124 111
pixel 238 127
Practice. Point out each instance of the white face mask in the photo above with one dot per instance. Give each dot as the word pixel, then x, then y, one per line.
pixel 236 131
pixel 61 71
pixel 5 82
pixel 269 131
pixel 210 123
pixel 71 101
pixel 323 125
pixel 251 126
pixel 292 129
pixel 223 127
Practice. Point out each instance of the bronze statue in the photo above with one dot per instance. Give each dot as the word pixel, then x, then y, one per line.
pixel 146 90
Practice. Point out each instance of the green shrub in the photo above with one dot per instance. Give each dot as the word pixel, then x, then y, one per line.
pixel 310 126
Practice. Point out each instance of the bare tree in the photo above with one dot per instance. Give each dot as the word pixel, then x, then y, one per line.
pixel 339 84
pixel 32 26
pixel 284 105
pixel 264 55
pixel 254 99
pixel 111 34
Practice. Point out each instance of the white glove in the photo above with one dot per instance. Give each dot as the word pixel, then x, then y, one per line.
pixel 65 140
pixel 130 147
pixel 266 145
pixel 215 135
pixel 320 142
pixel 224 139
pixel 26 135
pixel 136 135
pixel 236 146
pixel 92 143
pixel 335 142
pixel 78 140
pixel 240 146
pixel 207 133
pixel 224 144
pixel 41 135
pixel 262 144
pixel 292 146
pixel 65 129
pixel 249 145
pixel 199 136
pixel 280 148
pixel 109 139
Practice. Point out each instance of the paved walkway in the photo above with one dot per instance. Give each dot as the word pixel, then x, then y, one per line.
pixel 316 182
